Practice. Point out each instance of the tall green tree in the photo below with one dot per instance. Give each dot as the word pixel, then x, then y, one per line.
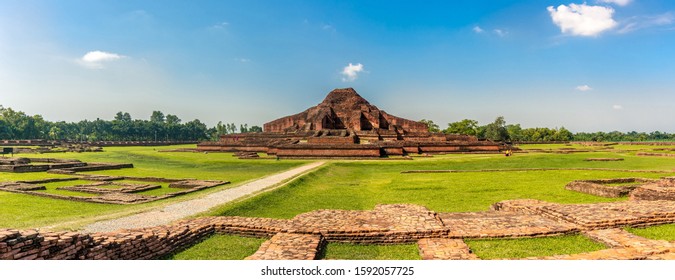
pixel 465 126
pixel 496 131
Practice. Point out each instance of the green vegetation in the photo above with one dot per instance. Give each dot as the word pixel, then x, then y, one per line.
pixel 220 247
pixel 662 232
pixel 342 251
pixel 26 211
pixel 489 249
pixel 362 185
pixel 160 127
pixel 356 185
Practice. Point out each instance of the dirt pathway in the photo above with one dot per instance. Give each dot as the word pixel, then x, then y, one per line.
pixel 184 209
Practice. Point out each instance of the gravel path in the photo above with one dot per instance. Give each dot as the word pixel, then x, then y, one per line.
pixel 187 208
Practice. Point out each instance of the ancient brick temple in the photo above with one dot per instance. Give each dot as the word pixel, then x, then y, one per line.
pixel 346 125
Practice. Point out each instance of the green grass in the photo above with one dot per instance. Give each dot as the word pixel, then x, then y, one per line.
pixel 343 251
pixel 661 232
pixel 362 185
pixel 352 185
pixel 26 211
pixel 220 247
pixel 489 249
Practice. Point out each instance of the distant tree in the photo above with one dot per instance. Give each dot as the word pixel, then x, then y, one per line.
pixel 515 132
pixel 124 117
pixel 465 126
pixel 255 128
pixel 431 126
pixel 562 134
pixel 496 131
pixel 231 128
pixel 243 128
pixel 157 117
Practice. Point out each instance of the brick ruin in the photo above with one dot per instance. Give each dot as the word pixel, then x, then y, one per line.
pixel 105 189
pixel 438 235
pixel 345 125
pixel 109 189
pixel 637 188
pixel 54 165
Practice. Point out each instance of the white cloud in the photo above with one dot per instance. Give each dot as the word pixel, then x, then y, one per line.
pixel 584 88
pixel 242 60
pixel 642 22
pixel 220 25
pixel 617 107
pixel 582 20
pixel 617 2
pixel 328 27
pixel 351 72
pixel 477 29
pixel 95 59
pixel 500 32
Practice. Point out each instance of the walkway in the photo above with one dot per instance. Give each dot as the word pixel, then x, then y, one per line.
pixel 181 210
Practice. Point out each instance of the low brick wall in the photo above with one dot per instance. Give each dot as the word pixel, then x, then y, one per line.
pixel 597 215
pixel 121 245
pixel 303 236
pixel 604 159
pixel 653 192
pixel 598 189
pixel 655 155
pixel 312 150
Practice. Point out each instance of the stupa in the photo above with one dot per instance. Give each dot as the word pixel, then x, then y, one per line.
pixel 345 125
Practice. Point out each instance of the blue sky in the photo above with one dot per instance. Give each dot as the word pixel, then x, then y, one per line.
pixel 588 66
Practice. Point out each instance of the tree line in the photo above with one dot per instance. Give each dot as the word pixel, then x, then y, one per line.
pixel 160 127
pixel 500 131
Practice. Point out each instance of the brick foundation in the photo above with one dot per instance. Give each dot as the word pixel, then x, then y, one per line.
pixel 303 237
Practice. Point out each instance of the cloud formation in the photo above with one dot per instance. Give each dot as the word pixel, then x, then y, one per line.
pixel 220 25
pixel 477 29
pixel 582 20
pixel 617 2
pixel 95 59
pixel 617 107
pixel 500 32
pixel 351 72
pixel 642 22
pixel 584 88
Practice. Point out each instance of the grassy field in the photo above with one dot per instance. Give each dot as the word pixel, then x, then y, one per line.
pixel 362 185
pixel 26 211
pixel 358 185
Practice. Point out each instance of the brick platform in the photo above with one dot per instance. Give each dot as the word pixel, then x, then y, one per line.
pixel 303 237
pixel 109 190
pixel 624 246
pixel 494 224
pixel 445 249
pixel 597 215
pixel 290 246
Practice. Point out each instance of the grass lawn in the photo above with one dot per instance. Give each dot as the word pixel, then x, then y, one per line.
pixel 352 185
pixel 26 211
pixel 220 247
pixel 488 249
pixel 661 232
pixel 362 185
pixel 344 251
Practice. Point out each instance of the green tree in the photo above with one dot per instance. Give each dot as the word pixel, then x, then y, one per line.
pixel 496 131
pixel 465 126
pixel 431 125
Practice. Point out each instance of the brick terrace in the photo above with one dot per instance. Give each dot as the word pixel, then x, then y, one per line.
pixel 438 235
